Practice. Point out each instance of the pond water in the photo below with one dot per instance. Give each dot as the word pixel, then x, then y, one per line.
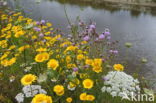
pixel 136 27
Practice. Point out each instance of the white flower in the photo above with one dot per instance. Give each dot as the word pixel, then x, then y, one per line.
pixel 20 97
pixel 119 83
pixel 27 69
pixel 28 94
pixel 42 78
pixel 42 91
pixel 114 94
pixel 72 89
pixel 108 89
pixel 103 89
pixel 30 91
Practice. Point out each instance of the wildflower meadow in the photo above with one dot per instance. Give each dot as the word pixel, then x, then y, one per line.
pixel 40 65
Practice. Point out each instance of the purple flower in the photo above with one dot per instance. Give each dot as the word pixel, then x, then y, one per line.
pixel 43 21
pixel 107 33
pixel 58 38
pixel 41 35
pixel 105 78
pixel 37 22
pixel 37 29
pixel 109 37
pixel 111 51
pixel 92 26
pixel 86 38
pixel 75 69
pixel 116 52
pixel 101 36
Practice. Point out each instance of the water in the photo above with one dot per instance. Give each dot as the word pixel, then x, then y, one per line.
pixel 137 27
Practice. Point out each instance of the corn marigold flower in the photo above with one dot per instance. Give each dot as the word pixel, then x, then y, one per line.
pixel 28 79
pixel 3 44
pixel 53 64
pixel 88 83
pixel 97 62
pixel 71 48
pixel 49 24
pixel 41 49
pixel 80 57
pixel 7 62
pixel 68 59
pixel 59 90
pixel 42 98
pixel 69 99
pixel 97 69
pixel 118 67
pixel 90 98
pixel 42 57
pixel 88 61
pixel 19 33
pixel 83 96
pixel 22 48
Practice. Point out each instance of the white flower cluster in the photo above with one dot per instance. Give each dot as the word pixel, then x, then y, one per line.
pixel 29 91
pixel 119 83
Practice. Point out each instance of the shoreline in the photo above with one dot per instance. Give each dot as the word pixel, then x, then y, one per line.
pixel 145 4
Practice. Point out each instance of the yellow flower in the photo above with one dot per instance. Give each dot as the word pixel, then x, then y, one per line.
pixel 28 79
pixel 71 48
pixel 46 56
pixel 49 24
pixel 4 56
pixel 47 33
pixel 3 44
pixel 72 85
pixel 68 59
pixel 84 42
pixel 80 57
pixel 53 64
pixel 19 33
pixel 71 66
pixel 23 48
pixel 89 61
pixel 41 49
pixel 88 83
pixel 69 99
pixel 7 62
pixel 12 47
pixel 59 90
pixel 97 62
pixel 42 57
pixel 42 98
pixel 118 67
pixel 12 61
pixel 90 97
pixel 97 69
pixel 83 96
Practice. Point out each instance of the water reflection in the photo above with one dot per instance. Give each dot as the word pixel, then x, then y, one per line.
pixel 138 27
